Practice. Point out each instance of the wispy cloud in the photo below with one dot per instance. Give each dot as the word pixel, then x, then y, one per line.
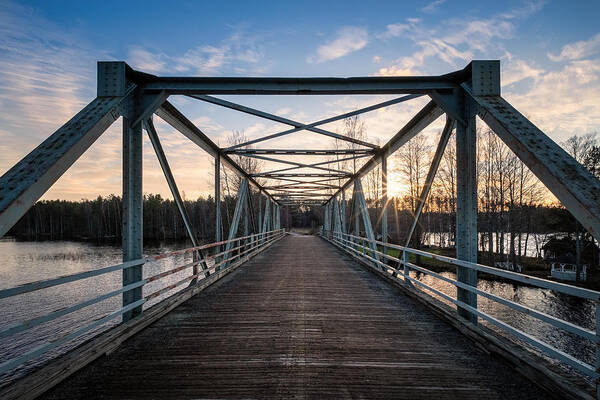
pixel 433 6
pixel 563 102
pixel 147 61
pixel 239 53
pixel 455 42
pixel 347 40
pixel 578 50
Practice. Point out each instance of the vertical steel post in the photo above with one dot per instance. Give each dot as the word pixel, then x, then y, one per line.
pixel 355 213
pixel 326 226
pixel 364 210
pixel 247 218
pixel 466 205
pixel 259 213
pixel 266 219
pixel 384 199
pixel 132 212
pixel 336 214
pixel 235 222
pixel 218 228
pixel 343 212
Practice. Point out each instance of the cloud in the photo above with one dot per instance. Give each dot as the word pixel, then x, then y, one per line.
pixel 563 102
pixel 455 42
pixel 578 50
pixel 432 7
pixel 514 70
pixel 144 60
pixel 348 39
pixel 238 53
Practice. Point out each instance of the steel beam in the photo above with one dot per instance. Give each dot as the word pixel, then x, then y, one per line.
pixel 303 175
pixel 132 230
pixel 322 152
pixel 272 117
pixel 295 163
pixel 420 121
pixel 164 164
pixel 466 206
pixel 384 200
pixel 435 163
pixel 329 120
pixel 575 187
pixel 218 228
pixel 300 86
pixel 237 214
pixel 301 187
pixel 267 217
pixel 364 211
pixel 23 184
pixel 178 121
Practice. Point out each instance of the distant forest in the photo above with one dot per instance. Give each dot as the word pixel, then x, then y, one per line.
pixel 100 219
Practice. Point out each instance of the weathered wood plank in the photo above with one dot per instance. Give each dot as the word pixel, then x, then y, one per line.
pixel 299 321
pixel 36 383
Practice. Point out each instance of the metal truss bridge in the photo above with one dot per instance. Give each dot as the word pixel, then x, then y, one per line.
pixel 265 313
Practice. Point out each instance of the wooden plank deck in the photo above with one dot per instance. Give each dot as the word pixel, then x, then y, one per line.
pixel 302 320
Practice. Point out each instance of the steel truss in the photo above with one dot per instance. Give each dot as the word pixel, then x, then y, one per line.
pixel 461 95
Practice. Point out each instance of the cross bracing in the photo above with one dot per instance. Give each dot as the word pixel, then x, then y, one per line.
pixel 301 176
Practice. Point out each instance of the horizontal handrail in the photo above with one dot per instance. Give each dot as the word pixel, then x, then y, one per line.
pixel 350 243
pixel 257 242
pixel 43 284
pixel 530 280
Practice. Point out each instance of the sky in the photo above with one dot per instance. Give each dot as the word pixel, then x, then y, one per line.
pixel 549 53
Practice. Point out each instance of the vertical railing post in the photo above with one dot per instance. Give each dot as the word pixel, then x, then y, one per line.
pixel 466 204
pixel 132 230
pixel 406 268
pixel 218 228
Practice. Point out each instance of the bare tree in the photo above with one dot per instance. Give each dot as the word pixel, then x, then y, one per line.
pixel 412 163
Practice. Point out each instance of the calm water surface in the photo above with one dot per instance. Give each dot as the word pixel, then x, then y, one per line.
pixel 23 262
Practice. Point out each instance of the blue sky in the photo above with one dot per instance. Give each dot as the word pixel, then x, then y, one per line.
pixel 549 52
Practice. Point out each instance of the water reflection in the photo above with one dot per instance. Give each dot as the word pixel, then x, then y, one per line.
pixel 578 311
pixel 23 262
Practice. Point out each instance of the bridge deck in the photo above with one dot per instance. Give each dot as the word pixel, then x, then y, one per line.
pixel 299 321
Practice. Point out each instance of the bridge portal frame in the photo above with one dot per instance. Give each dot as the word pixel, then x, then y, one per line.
pixel 461 95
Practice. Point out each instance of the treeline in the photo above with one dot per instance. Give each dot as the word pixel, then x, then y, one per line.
pixel 99 220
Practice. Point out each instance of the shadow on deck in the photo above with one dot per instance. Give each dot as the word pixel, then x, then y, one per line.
pixel 301 320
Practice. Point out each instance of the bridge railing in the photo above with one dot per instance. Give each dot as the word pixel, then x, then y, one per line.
pixel 240 248
pixel 359 246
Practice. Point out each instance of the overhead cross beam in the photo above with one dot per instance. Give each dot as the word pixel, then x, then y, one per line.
pixel 313 165
pixel 296 164
pixel 301 152
pixel 299 86
pixel 272 117
pixel 327 121
pixel 303 175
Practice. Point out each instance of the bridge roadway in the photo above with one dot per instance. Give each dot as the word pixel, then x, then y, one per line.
pixel 301 320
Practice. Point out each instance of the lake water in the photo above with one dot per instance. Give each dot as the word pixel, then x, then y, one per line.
pixel 531 245
pixel 23 262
